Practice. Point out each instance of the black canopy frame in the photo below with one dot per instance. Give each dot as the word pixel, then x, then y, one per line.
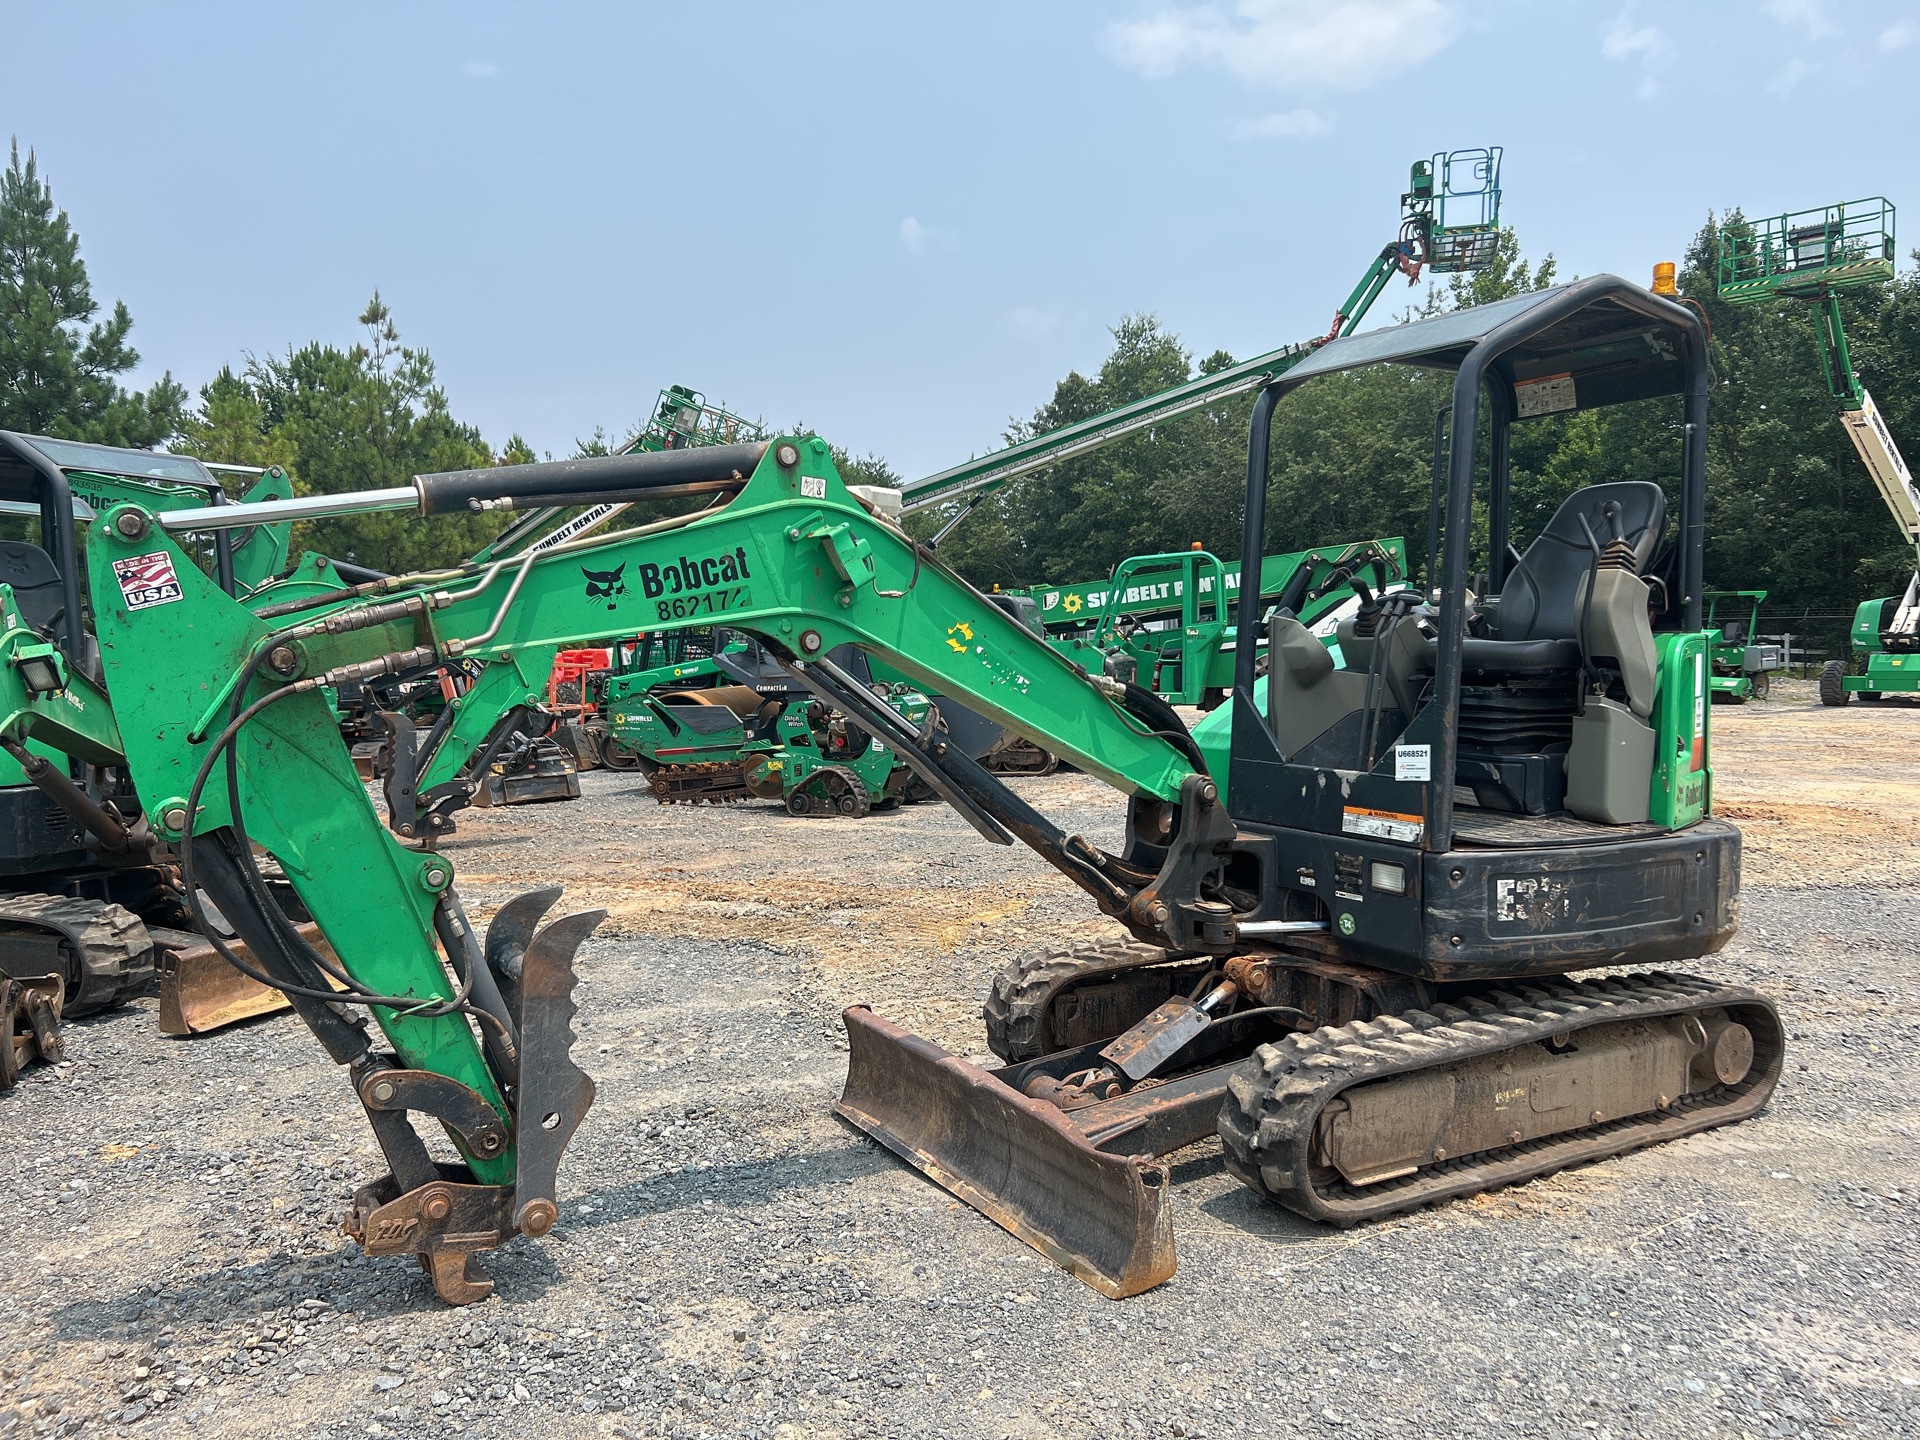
pixel 1592 343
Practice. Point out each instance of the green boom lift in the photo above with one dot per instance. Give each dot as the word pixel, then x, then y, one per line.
pixel 1351 966
pixel 1169 615
pixel 1812 256
pixel 1450 224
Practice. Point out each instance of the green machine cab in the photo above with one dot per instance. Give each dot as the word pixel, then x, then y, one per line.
pixel 1742 664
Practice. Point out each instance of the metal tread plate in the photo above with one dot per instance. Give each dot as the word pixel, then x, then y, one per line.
pixel 1498 829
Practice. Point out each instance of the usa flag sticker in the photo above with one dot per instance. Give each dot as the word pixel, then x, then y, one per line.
pixel 147 580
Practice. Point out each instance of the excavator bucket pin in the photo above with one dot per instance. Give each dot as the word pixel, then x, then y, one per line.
pixel 1020 1162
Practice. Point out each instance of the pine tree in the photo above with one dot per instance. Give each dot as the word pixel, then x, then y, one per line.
pixel 365 418
pixel 58 365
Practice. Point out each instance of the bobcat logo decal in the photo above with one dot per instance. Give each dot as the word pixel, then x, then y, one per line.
pixel 605 585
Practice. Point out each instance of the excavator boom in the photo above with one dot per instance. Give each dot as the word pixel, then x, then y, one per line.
pixel 230 736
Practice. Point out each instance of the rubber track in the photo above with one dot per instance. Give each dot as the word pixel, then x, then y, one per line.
pixel 815 786
pixel 115 952
pixel 1275 1100
pixel 1017 1003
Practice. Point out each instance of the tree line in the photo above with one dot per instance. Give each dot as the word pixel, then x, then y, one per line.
pixel 1790 508
pixel 363 416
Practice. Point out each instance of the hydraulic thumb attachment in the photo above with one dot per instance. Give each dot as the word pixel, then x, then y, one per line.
pixel 522 981
pixel 1158 895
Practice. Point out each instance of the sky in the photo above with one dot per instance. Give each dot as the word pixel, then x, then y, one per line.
pixel 897 224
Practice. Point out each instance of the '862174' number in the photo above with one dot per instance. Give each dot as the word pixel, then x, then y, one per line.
pixel 707 602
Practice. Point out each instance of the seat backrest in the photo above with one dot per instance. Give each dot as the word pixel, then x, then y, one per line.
pixel 1537 601
pixel 36 585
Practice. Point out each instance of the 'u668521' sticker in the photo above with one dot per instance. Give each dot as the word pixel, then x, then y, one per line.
pixel 147 580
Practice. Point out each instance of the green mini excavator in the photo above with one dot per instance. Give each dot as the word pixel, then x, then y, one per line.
pixel 1351 932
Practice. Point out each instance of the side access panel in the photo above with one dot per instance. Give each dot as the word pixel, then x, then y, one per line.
pixel 1512 912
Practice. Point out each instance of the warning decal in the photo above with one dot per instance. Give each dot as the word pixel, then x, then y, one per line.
pixel 147 580
pixel 1382 824
pixel 1545 395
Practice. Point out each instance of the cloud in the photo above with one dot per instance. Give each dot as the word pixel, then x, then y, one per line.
pixel 917 237
pixel 1790 76
pixel 1331 44
pixel 482 69
pixel 1033 322
pixel 1899 35
pixel 1287 125
pixel 1647 46
pixel 1807 15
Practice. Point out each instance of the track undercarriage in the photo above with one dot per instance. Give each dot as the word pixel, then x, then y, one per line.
pixel 1345 1094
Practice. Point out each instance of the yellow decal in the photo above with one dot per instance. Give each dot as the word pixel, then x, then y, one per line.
pixel 965 631
pixel 1071 604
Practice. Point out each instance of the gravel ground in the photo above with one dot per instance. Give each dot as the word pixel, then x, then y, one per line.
pixel 733 1260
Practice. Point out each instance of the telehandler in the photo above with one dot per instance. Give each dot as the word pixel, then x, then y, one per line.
pixel 1351 932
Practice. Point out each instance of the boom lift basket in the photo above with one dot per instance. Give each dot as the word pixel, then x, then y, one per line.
pixel 1466 210
pixel 1807 254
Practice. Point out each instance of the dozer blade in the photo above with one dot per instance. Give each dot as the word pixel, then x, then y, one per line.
pixel 1018 1161
pixel 200 992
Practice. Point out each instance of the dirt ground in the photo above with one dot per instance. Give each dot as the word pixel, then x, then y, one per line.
pixel 1827 796
pixel 734 1261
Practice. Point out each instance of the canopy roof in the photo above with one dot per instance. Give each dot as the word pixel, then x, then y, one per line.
pixel 18 471
pixel 1592 342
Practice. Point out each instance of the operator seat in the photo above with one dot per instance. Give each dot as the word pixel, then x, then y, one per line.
pixel 36 586
pixel 1537 622
pixel 1521 687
